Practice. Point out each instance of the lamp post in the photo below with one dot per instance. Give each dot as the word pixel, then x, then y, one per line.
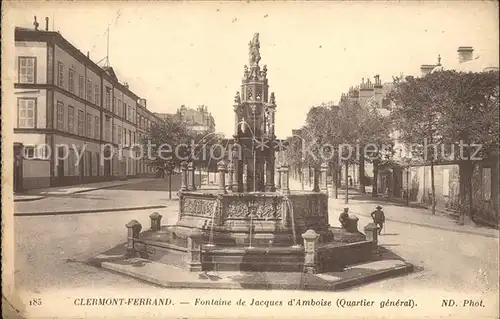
pixel 407 185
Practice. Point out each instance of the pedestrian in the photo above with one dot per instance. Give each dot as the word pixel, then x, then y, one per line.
pixel 344 218
pixel 378 217
pixel 350 181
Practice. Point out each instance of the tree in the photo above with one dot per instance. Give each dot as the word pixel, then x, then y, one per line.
pixel 471 114
pixel 321 133
pixel 166 144
pixel 459 109
pixel 417 115
pixel 363 127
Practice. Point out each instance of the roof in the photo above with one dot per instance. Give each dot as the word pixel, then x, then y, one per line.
pixel 27 34
pixel 479 64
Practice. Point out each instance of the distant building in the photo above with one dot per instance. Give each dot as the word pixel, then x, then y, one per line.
pixel 66 103
pixel 199 119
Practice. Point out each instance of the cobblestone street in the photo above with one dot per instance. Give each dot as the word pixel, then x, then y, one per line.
pixel 51 250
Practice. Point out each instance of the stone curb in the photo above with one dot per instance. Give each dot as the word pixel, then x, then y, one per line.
pixel 29 199
pixel 440 213
pixel 466 231
pixel 375 276
pixel 75 212
pixel 88 190
pixel 339 285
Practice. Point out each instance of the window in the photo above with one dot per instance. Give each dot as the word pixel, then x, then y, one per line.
pixel 81 124
pixel 88 166
pixel 29 152
pixel 486 181
pixel 108 99
pixel 71 163
pixel 71 81
pixel 71 119
pixel 60 78
pixel 80 86
pixel 129 137
pixel 119 111
pixel 129 113
pixel 107 128
pixel 114 133
pixel 26 113
pixel 27 67
pixel 446 182
pixel 98 165
pixel 114 104
pixel 60 116
pixel 89 125
pixel 97 95
pixel 97 128
pixel 124 115
pixel 89 90
pixel 119 139
pixel 124 136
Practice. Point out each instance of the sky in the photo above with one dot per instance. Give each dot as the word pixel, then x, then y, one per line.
pixel 175 53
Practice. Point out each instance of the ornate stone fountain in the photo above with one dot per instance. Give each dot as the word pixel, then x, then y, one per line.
pixel 252 225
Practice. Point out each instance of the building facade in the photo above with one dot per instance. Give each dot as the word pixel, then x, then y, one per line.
pixel 75 122
pixel 199 119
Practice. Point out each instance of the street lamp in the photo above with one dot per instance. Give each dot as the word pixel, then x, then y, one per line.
pixel 407 186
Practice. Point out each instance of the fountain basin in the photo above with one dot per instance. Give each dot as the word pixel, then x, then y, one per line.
pixel 231 217
pixel 252 232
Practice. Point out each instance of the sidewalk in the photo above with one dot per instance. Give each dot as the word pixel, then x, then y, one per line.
pixel 363 204
pixel 35 194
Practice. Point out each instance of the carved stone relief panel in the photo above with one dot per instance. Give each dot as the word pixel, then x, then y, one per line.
pixel 198 207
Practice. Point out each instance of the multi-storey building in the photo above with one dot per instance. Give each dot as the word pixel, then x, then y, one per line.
pixel 415 177
pixel 68 109
pixel 199 119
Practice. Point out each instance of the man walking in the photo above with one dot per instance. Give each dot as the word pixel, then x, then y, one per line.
pixel 378 217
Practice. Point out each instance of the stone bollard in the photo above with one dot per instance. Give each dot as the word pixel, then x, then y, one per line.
pixel 285 186
pixel 324 178
pixel 133 230
pixel 184 177
pixel 316 174
pixel 353 224
pixel 230 170
pixel 221 169
pixel 191 183
pixel 194 242
pixel 155 221
pixel 310 241
pixel 371 232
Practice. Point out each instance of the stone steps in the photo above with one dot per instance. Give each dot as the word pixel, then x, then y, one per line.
pixel 254 259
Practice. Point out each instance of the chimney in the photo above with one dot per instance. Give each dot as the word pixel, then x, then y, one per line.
pixel 125 84
pixel 377 85
pixel 88 54
pixel 464 54
pixel 35 23
pixel 46 23
pixel 426 69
